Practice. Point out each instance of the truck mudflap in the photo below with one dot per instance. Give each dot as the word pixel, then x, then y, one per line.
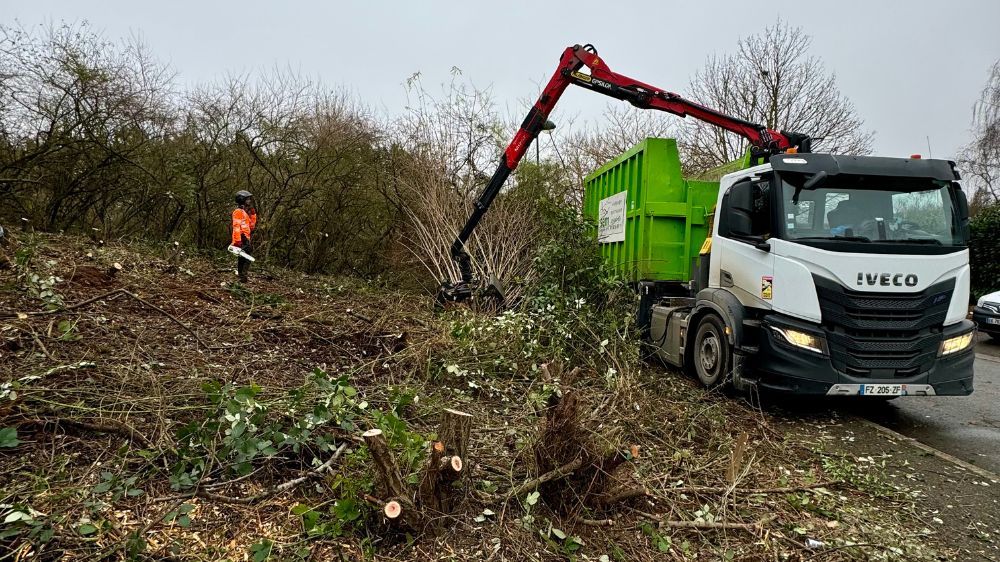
pixel 784 368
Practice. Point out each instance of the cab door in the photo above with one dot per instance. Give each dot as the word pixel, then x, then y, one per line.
pixel 746 224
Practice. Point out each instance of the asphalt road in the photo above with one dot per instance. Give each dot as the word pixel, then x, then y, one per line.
pixel 967 427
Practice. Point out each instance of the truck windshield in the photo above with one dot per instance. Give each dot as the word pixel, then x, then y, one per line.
pixel 874 209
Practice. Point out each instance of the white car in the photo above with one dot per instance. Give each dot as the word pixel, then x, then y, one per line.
pixel 986 314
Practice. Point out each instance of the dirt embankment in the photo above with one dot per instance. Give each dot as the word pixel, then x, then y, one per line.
pixel 161 410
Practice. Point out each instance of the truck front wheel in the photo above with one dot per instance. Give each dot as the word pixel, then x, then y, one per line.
pixel 712 354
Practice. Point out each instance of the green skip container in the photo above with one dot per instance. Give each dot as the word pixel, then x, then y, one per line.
pixel 651 222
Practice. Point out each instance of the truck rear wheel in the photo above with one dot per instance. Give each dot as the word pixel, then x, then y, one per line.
pixel 712 354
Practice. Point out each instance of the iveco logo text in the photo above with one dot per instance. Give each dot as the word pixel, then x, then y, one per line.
pixel 886 279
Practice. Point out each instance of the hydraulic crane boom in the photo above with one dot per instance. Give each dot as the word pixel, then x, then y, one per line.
pixel 763 141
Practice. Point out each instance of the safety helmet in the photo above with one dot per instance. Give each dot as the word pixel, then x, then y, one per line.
pixel 242 197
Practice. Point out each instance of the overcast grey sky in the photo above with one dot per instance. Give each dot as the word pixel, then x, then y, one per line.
pixel 913 69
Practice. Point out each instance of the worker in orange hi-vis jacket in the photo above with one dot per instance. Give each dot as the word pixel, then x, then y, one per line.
pixel 244 222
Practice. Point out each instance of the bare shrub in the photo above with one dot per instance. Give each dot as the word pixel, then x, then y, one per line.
pixel 453 144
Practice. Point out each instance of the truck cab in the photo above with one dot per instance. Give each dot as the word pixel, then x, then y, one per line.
pixel 830 274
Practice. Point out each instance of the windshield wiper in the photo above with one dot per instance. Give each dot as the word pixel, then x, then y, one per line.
pixel 837 237
pixel 914 241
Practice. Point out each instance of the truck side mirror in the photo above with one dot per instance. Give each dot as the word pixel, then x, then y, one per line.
pixel 962 202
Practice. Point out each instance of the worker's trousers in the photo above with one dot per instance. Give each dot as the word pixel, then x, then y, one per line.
pixel 243 264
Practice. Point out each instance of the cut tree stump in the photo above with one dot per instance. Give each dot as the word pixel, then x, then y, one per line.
pixel 439 491
pixel 454 432
pixel 393 509
pixel 451 467
pixel 436 495
pixel 398 508
pixel 429 493
pixel 385 463
pixel 401 511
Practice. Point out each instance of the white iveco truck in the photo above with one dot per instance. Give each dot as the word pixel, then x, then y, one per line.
pixel 836 275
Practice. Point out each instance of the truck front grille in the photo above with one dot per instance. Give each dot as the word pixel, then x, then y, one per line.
pixel 890 335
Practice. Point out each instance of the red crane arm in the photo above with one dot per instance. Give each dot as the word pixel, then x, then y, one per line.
pixel 602 79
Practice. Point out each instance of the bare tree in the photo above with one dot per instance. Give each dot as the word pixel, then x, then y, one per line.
pixel 771 80
pixel 80 114
pixel 981 158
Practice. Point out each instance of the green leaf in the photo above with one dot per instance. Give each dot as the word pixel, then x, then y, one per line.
pixel 8 437
pixel 347 510
pixel 300 509
pixel 309 521
pixel 532 498
pixel 261 550
pixel 103 487
pixel 663 544
pixel 86 529
pixel 4 535
pixel 184 521
pixel 16 516
pixel 573 544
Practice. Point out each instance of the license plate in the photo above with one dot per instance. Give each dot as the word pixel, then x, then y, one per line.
pixel 993 320
pixel 882 390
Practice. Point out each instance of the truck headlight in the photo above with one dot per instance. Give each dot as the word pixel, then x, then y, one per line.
pixel 804 340
pixel 956 344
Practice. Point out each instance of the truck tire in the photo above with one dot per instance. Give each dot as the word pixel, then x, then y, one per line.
pixel 712 354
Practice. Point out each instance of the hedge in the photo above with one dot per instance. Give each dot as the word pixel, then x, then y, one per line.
pixel 984 251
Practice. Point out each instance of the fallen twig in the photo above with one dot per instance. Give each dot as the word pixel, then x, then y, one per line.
pixel 625 494
pixel 750 491
pixel 718 524
pixel 554 474
pixel 594 522
pixel 127 293
pixel 274 490
pixel 831 549
pixel 759 524
pixel 8 314
pixel 115 427
pixel 71 367
pixel 361 317
pixel 38 342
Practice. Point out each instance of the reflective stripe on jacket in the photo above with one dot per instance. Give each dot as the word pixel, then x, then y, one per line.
pixel 243 225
